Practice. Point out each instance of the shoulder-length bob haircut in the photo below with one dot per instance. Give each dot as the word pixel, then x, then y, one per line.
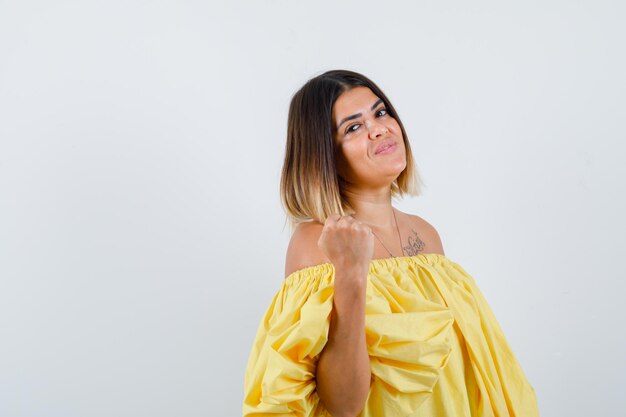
pixel 310 187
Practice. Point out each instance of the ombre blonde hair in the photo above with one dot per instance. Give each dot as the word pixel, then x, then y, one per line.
pixel 310 187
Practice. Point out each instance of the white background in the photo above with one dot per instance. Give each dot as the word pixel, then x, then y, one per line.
pixel 141 143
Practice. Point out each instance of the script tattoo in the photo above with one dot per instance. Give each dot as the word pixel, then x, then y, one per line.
pixel 414 246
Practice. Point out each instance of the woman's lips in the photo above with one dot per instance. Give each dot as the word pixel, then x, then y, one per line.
pixel 386 148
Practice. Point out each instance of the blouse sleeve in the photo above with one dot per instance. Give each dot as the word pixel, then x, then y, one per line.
pixel 407 350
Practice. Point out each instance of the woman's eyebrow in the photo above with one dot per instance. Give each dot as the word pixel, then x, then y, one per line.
pixel 354 116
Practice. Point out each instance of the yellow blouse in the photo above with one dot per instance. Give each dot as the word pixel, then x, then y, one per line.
pixel 435 347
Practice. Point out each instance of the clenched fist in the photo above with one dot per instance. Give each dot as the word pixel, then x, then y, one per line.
pixel 348 243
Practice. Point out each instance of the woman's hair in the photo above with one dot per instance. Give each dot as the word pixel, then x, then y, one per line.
pixel 310 187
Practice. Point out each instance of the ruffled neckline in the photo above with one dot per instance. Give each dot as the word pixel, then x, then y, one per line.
pixel 375 264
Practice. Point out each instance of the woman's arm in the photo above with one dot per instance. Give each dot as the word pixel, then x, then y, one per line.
pixel 343 370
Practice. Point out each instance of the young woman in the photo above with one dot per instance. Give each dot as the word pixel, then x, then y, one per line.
pixel 372 318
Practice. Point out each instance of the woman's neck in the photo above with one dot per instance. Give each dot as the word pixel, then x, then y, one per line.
pixel 372 207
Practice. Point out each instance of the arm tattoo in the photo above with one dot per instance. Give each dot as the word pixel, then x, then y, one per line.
pixel 414 246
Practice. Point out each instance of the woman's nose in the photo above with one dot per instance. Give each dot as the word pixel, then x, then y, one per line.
pixel 375 129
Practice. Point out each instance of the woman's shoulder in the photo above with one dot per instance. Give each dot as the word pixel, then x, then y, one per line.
pixel 426 231
pixel 303 250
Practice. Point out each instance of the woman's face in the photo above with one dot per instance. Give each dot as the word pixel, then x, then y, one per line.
pixel 370 147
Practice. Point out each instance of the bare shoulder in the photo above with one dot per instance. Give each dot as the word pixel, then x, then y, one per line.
pixel 427 232
pixel 303 250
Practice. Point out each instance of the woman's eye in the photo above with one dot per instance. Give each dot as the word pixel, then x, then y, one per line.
pixel 379 113
pixel 351 128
